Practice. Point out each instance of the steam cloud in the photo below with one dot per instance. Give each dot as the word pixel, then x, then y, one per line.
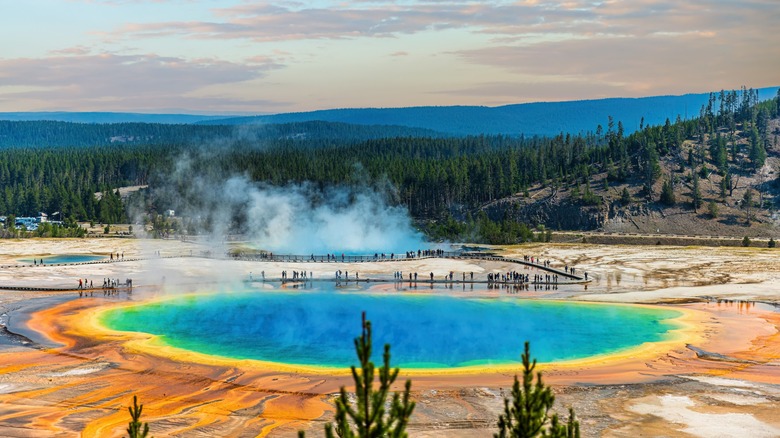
pixel 302 219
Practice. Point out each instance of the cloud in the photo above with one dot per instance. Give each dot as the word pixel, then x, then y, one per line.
pixel 638 66
pixel 76 50
pixel 641 47
pixel 279 22
pixel 611 42
pixel 107 81
pixel 539 49
pixel 574 19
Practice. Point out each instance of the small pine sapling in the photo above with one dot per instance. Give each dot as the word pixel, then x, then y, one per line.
pixel 526 413
pixel 369 417
pixel 136 429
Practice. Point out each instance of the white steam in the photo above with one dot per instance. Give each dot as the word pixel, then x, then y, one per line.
pixel 296 218
pixel 303 219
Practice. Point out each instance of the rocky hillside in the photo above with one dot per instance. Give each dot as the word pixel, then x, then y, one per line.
pixel 627 207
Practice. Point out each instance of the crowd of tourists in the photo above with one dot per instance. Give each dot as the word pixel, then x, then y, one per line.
pixel 296 275
pixel 551 276
pixel 110 286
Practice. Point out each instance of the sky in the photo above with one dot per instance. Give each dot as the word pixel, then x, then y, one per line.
pixel 256 57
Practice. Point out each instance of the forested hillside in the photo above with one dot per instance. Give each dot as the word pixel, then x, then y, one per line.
pixel 476 187
pixel 718 175
pixel 47 134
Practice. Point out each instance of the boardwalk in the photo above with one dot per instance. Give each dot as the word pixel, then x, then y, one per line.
pixel 290 258
pixel 566 277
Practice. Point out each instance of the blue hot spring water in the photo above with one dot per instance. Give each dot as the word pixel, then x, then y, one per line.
pixel 65 258
pixel 424 331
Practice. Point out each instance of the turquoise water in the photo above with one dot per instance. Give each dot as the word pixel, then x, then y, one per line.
pixel 430 331
pixel 65 258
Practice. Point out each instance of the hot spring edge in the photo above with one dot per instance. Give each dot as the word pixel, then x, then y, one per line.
pixel 314 330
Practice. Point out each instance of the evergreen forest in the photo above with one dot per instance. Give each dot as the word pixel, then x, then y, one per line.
pixel 48 166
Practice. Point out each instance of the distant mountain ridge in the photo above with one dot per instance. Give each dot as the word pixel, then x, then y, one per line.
pixel 540 118
pixel 109 117
pixel 529 119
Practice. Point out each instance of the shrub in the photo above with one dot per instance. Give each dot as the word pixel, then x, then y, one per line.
pixel 712 208
pixel 625 196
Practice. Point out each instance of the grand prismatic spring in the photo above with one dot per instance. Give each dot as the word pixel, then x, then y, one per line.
pixel 426 331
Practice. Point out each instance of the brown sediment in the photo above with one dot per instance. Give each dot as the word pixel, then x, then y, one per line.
pixel 761 358
pixel 177 396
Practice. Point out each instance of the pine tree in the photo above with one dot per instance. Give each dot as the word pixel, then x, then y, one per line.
pixel 696 197
pixel 526 414
pixel 719 154
pixel 747 198
pixel 778 100
pixel 667 193
pixel 652 165
pixel 747 204
pixel 369 417
pixel 757 151
pixel 136 429
pixel 625 196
